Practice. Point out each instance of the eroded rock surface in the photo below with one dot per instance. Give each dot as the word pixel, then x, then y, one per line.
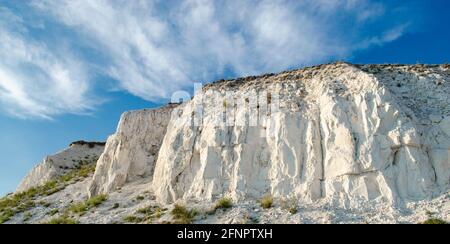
pixel 345 133
pixel 131 152
pixel 79 153
pixel 339 143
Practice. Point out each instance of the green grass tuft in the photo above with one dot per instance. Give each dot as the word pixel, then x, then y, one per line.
pixel 182 215
pixel 78 208
pixel 6 215
pixel 81 208
pixel 293 210
pixel 266 202
pixel 434 221
pixel 224 203
pixel 96 201
pixel 133 219
pixel 62 220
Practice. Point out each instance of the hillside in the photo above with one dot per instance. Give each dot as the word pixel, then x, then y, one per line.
pixel 335 143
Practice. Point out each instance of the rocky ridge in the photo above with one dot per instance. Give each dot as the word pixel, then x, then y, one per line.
pixel 339 143
pixel 78 154
pixel 345 133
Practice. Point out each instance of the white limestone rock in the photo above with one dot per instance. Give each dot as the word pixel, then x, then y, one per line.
pixel 346 144
pixel 79 153
pixel 132 151
pixel 347 134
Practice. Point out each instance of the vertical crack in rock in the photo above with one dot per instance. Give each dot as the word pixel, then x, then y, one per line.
pixel 430 159
pixel 322 155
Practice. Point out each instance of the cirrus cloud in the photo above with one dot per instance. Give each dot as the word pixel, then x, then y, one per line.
pixel 36 80
pixel 153 48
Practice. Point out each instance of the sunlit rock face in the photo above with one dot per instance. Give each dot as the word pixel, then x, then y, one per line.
pixel 339 132
pixel 131 152
pixel 78 154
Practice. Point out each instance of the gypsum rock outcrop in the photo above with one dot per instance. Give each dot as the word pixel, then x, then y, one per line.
pixel 79 153
pixel 343 133
pixel 132 151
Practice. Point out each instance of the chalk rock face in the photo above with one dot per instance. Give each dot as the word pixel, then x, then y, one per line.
pixel 342 133
pixel 79 153
pixel 132 151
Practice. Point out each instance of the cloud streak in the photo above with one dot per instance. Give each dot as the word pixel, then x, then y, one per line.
pixel 153 48
pixel 36 81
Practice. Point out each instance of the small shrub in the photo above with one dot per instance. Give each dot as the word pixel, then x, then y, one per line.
pixel 52 191
pixel 182 215
pixel 146 211
pixel 434 221
pixel 63 220
pixel 293 210
pixel 150 213
pixel 96 201
pixel 82 207
pixel 50 188
pixel 140 198
pixel 25 206
pixel 6 215
pixel 78 208
pixel 116 205
pixel 266 202
pixel 159 212
pixel 224 203
pixel 133 219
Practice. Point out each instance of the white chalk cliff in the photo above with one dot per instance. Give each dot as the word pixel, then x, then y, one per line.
pixel 338 143
pixel 79 153
pixel 343 133
pixel 132 151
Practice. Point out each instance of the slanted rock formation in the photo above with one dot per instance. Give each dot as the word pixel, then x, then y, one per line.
pixel 79 153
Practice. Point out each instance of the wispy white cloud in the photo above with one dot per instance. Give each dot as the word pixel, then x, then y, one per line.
pixel 153 48
pixel 35 80
pixel 385 37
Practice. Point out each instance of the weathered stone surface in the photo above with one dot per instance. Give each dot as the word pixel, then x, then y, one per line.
pixel 79 153
pixel 132 151
pixel 344 133
pixel 345 144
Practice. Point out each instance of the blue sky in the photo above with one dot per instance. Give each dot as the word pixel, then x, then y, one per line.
pixel 69 68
